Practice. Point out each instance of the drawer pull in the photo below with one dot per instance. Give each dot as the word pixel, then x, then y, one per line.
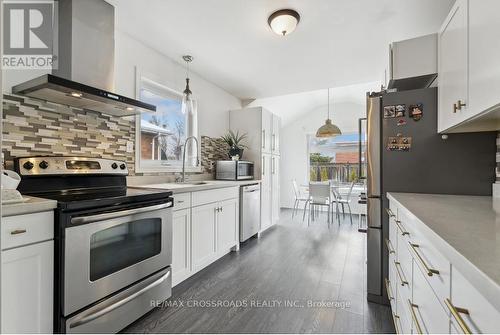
pixel 388 289
pixel 390 213
pixel 399 271
pixel 455 311
pixel 401 228
pixel 396 320
pixel 389 246
pixel 18 231
pixel 414 316
pixel 180 201
pixel 429 270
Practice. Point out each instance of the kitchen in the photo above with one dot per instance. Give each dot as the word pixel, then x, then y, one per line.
pixel 157 165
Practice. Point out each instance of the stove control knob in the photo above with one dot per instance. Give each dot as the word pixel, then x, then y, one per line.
pixel 28 165
pixel 122 166
pixel 43 165
pixel 114 166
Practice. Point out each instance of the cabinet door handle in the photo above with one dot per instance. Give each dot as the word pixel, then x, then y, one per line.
pixel 274 142
pixel 272 166
pixel 397 320
pixel 263 139
pixel 388 289
pixel 455 311
pixel 401 228
pixel 389 246
pixel 429 270
pixel 263 166
pixel 18 231
pixel 414 316
pixel 390 213
pixel 458 106
pixel 399 271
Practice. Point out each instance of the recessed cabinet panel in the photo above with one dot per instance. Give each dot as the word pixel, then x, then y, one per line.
pixel 484 54
pixel 181 245
pixel 203 235
pixel 27 288
pixel 227 232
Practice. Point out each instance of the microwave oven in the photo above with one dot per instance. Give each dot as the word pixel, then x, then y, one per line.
pixel 234 170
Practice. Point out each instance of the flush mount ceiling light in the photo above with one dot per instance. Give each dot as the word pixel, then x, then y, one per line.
pixel 284 21
pixel 328 129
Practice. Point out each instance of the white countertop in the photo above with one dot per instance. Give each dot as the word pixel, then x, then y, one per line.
pixel 177 188
pixel 32 205
pixel 466 230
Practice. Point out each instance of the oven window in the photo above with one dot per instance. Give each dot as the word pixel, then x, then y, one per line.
pixel 124 245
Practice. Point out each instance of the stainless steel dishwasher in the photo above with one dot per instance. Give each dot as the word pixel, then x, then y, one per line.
pixel 249 211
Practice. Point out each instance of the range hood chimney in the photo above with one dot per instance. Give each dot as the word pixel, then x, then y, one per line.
pixel 84 77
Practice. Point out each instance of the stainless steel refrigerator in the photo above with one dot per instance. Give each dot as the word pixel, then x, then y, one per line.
pixel 404 153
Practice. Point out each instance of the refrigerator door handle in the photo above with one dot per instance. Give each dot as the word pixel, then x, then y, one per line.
pixel 373 150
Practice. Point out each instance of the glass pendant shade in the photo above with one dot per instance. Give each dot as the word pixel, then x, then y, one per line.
pixel 187 100
pixel 328 129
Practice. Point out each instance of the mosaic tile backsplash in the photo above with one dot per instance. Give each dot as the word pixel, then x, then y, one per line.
pixel 32 127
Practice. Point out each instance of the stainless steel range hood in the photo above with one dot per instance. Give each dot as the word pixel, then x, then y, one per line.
pixel 84 76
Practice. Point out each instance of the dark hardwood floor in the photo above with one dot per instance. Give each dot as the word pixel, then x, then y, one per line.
pixel 293 279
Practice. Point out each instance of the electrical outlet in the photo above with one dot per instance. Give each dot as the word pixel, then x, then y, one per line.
pixel 130 146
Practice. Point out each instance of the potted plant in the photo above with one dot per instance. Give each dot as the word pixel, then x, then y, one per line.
pixel 234 141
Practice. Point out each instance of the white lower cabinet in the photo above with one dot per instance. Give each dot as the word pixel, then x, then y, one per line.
pixel 181 245
pixel 203 235
pixel 428 316
pixel 204 228
pixel 227 232
pixel 436 297
pixel 469 309
pixel 27 288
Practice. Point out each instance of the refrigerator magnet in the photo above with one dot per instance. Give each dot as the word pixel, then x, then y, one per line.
pixel 389 112
pixel 400 110
pixel 416 111
pixel 401 122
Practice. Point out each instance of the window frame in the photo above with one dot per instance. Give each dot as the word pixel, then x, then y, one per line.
pixel 141 166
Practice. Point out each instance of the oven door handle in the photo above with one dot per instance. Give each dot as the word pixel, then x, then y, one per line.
pixel 107 216
pixel 119 303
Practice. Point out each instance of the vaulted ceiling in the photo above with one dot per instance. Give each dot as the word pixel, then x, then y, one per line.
pixel 337 42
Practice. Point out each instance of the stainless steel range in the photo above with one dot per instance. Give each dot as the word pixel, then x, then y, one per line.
pixel 113 244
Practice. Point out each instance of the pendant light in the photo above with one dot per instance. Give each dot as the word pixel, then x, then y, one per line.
pixel 187 96
pixel 328 129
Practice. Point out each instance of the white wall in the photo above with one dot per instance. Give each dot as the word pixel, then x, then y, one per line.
pixel 348 105
pixel 213 102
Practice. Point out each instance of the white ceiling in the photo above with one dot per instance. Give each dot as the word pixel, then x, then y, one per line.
pixel 337 43
pixel 292 107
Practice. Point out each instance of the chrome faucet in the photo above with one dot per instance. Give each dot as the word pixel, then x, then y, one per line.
pixel 183 178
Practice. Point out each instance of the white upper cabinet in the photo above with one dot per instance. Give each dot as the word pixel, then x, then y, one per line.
pixel 484 54
pixel 452 67
pixel 469 67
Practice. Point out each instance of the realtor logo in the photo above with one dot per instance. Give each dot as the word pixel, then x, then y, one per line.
pixel 28 34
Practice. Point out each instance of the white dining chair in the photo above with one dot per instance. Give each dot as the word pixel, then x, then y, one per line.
pixel 300 196
pixel 345 199
pixel 320 196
